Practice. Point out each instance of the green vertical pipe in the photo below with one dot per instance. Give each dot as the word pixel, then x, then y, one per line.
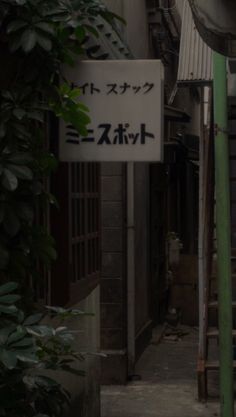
pixel 223 234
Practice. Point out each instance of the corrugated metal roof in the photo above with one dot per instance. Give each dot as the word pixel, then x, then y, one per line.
pixel 195 57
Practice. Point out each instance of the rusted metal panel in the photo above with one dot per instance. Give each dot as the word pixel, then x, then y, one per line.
pixel 195 57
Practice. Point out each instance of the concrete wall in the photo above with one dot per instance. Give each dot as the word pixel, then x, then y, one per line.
pixel 137 38
pixel 142 244
pixel 114 210
pixel 136 29
pixel 116 6
pixel 85 391
pixel 113 280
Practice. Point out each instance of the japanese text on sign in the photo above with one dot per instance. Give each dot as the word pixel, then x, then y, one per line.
pixel 113 88
pixel 108 136
pixel 125 99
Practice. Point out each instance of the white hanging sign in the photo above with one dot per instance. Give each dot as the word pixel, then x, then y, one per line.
pixel 125 99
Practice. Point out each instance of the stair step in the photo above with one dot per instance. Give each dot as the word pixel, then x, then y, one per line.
pixel 214 365
pixel 213 332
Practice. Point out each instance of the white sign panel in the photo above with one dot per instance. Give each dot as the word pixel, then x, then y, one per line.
pixel 125 99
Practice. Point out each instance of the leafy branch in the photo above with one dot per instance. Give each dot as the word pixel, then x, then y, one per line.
pixel 28 348
pixel 37 38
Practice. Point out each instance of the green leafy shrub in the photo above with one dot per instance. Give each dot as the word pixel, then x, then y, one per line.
pixel 28 350
pixel 37 38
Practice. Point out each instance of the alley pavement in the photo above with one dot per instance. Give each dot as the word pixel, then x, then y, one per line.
pixel 167 385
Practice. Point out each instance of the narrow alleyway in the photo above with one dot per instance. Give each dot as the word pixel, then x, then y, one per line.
pixel 168 384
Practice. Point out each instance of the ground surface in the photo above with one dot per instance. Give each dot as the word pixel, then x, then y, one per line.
pixel 168 387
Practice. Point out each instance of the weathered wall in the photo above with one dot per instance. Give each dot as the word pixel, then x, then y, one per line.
pixel 184 289
pixel 116 6
pixel 136 29
pixel 113 286
pixel 113 280
pixel 142 257
pixel 135 15
pixel 85 391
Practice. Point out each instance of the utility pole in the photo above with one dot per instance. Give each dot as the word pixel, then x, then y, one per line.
pixel 223 234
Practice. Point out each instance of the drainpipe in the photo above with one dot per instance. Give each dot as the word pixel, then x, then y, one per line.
pixel 223 235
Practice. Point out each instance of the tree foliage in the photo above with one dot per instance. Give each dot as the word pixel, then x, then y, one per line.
pixel 29 352
pixel 37 38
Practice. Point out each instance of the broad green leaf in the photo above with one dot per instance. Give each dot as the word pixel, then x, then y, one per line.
pixel 9 298
pixel 51 252
pixel 45 27
pixel 16 25
pixel 80 33
pixel 57 310
pixel 92 30
pixel 4 333
pixel 60 329
pixel 48 162
pixel 36 115
pixel 9 310
pixel 8 358
pixel 26 342
pixel 35 318
pixel 82 107
pixel 21 171
pixel 20 158
pixel 8 288
pixel 52 200
pixel 73 371
pixel 28 40
pixel 30 381
pixel 21 2
pixel 19 113
pixel 15 44
pixel 45 381
pixel 44 42
pixel 17 335
pixel 9 180
pixel 41 331
pixel 24 357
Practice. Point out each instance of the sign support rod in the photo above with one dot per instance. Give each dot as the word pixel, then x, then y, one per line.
pixel 130 269
pixel 223 234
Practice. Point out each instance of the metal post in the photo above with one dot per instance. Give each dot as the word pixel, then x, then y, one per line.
pixel 130 269
pixel 223 235
pixel 201 269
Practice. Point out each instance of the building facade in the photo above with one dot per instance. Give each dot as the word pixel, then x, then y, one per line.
pixel 104 207
pixel 165 200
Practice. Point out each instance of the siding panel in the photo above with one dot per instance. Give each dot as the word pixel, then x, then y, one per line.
pixel 195 57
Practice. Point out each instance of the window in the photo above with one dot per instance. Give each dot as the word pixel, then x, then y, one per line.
pixel 76 228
